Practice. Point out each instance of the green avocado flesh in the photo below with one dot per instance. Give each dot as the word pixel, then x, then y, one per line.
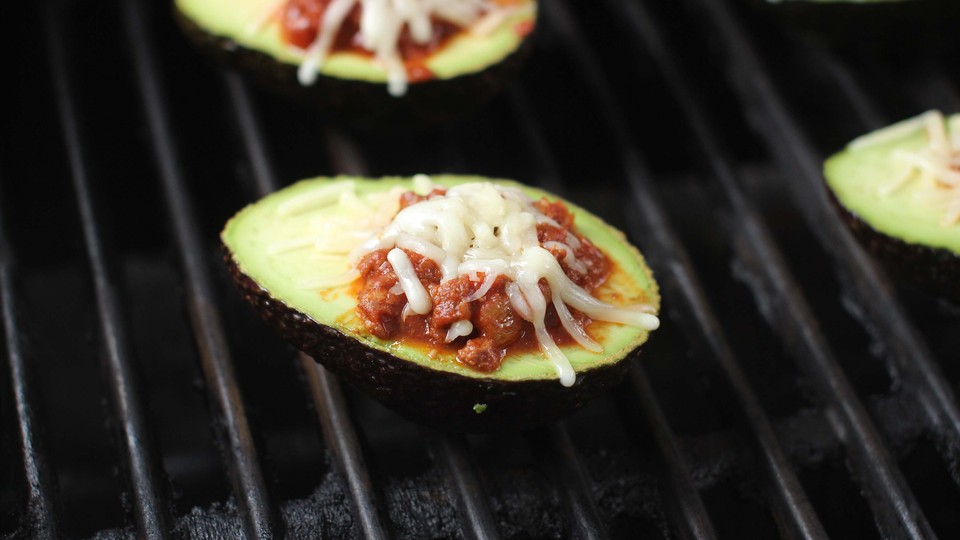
pixel 909 214
pixel 237 21
pixel 430 387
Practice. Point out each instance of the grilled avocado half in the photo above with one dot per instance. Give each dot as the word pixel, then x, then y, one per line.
pixel 352 87
pixel 899 220
pixel 422 384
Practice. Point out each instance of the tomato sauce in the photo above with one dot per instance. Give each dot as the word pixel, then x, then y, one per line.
pixel 497 329
pixel 300 21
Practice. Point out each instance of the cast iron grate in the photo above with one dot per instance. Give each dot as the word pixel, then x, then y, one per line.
pixel 796 390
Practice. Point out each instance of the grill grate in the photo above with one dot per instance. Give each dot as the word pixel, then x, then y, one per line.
pixel 780 399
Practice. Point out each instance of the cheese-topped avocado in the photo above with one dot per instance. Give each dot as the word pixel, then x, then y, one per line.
pixel 904 180
pixel 294 255
pixel 899 189
pixel 352 78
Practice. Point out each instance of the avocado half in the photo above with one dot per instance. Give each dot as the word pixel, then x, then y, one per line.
pixel 900 227
pixel 421 384
pixel 469 70
pixel 893 26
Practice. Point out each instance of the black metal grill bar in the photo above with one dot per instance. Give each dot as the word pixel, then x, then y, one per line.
pixel 873 291
pixel 259 516
pixel 454 454
pixel 341 435
pixel 567 463
pixel 554 447
pixel 573 481
pixel 787 310
pixel 332 410
pixel 41 519
pixel 861 104
pixel 471 499
pixel 472 503
pixel 791 508
pixel 684 506
pixel 140 460
pixel 687 513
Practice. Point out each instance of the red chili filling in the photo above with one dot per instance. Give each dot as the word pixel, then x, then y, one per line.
pixel 497 328
pixel 300 21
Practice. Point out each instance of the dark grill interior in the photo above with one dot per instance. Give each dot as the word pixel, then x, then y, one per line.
pixel 796 389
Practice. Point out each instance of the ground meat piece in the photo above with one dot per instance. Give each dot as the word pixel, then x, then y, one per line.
pixel 426 269
pixel 449 304
pixel 496 326
pixel 549 233
pixel 596 263
pixel 481 354
pixel 496 320
pixel 409 198
pixel 379 308
pixel 556 211
pixel 374 262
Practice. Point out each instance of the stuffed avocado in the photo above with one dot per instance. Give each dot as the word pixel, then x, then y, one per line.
pixel 465 303
pixel 369 61
pixel 899 190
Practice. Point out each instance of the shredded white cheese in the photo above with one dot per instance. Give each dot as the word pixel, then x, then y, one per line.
pixel 936 166
pixel 473 229
pixel 417 296
pixel 382 22
pixel 459 329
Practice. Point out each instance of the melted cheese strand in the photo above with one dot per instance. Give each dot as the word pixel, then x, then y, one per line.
pixel 382 23
pixel 458 329
pixel 489 279
pixel 318 51
pixel 573 327
pixel 568 257
pixel 527 281
pixel 417 296
pixel 938 163
pixel 952 217
pixel 937 132
pixel 892 187
pixel 518 302
pixel 576 297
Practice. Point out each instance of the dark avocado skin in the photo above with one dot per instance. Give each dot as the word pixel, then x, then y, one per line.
pixel 359 103
pixel 435 398
pixel 905 27
pixel 938 269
